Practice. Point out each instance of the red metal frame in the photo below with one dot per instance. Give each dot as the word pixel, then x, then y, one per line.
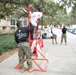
pixel 34 60
pixel 29 20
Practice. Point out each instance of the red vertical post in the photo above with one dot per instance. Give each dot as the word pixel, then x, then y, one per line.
pixel 29 19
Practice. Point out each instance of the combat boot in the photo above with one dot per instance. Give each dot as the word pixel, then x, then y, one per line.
pixel 23 69
pixel 31 69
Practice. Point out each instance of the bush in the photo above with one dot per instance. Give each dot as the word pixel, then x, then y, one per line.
pixel 7 42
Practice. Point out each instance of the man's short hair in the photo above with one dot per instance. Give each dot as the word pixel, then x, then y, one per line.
pixel 18 23
pixel 38 8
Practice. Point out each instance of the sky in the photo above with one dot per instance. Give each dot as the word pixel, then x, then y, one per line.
pixel 68 9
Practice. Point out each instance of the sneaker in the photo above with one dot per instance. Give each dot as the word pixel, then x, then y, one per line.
pixel 22 70
pixel 31 69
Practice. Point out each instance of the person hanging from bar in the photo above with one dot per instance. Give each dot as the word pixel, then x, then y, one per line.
pixel 35 17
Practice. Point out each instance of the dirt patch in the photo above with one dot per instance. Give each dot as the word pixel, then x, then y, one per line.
pixel 7 54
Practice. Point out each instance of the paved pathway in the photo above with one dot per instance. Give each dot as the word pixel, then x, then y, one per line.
pixel 62 58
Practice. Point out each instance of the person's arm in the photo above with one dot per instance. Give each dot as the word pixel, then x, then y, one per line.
pixel 62 30
pixel 29 29
pixel 39 16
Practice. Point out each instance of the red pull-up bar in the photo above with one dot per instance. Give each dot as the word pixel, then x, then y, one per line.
pixel 29 19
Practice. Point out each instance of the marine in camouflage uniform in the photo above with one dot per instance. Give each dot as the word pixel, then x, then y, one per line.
pixel 24 49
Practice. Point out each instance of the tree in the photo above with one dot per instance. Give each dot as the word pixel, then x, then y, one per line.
pixel 49 9
pixel 72 14
pixel 9 7
pixel 19 7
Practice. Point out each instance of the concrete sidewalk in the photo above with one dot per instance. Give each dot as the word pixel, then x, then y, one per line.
pixel 62 58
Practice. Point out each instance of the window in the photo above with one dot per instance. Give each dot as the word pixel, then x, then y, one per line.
pixel 12 21
pixel 13 28
pixel 25 21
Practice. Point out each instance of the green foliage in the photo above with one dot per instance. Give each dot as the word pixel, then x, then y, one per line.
pixel 7 43
pixel 10 7
pixel 48 7
pixel 64 18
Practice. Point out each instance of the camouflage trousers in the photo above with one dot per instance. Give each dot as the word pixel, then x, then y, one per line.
pixel 24 49
pixel 63 37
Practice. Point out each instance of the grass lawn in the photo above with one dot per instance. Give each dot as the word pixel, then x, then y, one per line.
pixel 7 42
